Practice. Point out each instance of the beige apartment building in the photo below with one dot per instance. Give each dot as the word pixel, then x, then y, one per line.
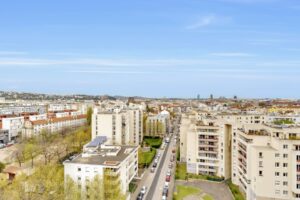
pixel 262 159
pixel 123 127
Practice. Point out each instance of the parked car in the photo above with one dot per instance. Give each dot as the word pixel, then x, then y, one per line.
pixel 174 150
pixel 166 185
pixel 164 198
pixel 152 170
pixel 165 192
pixel 168 178
pixel 154 164
pixel 170 165
pixel 144 190
pixel 140 196
pixel 169 172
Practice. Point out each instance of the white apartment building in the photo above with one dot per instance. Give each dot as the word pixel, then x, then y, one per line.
pixel 158 125
pixel 120 127
pixel 16 109
pixel 120 163
pixel 14 126
pixel 61 107
pixel 52 125
pixel 267 155
pixel 205 146
pixel 262 159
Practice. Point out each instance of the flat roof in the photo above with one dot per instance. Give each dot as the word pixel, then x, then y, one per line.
pixel 101 159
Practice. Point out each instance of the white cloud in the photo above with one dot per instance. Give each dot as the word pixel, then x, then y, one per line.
pixel 203 21
pixel 208 20
pixel 108 72
pixel 232 54
pixel 8 53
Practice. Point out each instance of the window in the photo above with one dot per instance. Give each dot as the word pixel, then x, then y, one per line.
pixel 79 169
pixel 277 155
pixel 285 183
pixel 260 163
pixel 277 164
pixel 285 155
pixel 277 173
pixel 285 146
pixel 285 164
pixel 298 186
pixel 79 178
pixel 277 182
pixel 260 173
pixel 260 154
pixel 285 174
pixel 285 192
pixel 277 191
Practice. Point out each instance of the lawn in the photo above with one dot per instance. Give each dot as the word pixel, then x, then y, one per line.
pixel 236 191
pixel 184 191
pixel 145 158
pixel 154 142
pixel 207 197
pixel 180 171
pixel 132 187
pixel 181 174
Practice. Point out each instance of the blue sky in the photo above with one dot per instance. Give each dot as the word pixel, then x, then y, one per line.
pixel 157 48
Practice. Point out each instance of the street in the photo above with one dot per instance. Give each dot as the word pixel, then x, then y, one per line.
pixel 155 182
pixel 159 182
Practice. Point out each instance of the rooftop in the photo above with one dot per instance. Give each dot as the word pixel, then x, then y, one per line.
pixel 103 156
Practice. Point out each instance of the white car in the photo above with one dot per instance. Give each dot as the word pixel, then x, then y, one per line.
pixel 144 190
pixel 166 185
pixel 164 198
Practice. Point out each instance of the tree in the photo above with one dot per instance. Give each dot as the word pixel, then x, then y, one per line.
pixel 20 155
pixel 2 166
pixel 31 150
pixel 89 116
pixel 72 191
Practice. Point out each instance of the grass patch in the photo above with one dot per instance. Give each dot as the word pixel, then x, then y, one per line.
pixel 145 158
pixel 181 171
pixel 207 197
pixel 184 191
pixel 236 191
pixel 154 142
pixel 178 154
pixel 132 187
pixel 205 177
pixel 283 121
pixel 182 174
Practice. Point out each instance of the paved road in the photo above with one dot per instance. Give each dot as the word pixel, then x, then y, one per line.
pixel 148 177
pixel 155 192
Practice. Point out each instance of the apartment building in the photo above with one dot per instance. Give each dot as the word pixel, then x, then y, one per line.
pixel 16 109
pixel 52 124
pixel 244 118
pixel 205 145
pixel 4 136
pixel 267 154
pixel 118 163
pixel 120 126
pixel 14 126
pixel 158 125
pixel 263 159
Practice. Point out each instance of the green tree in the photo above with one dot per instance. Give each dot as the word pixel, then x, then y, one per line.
pixel 2 166
pixel 89 116
pixel 31 151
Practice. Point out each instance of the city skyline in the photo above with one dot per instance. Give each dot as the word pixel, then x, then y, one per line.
pixel 247 48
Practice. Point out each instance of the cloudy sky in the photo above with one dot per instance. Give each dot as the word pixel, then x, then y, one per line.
pixel 158 48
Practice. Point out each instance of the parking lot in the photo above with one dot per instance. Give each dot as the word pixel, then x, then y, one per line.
pixel 219 191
